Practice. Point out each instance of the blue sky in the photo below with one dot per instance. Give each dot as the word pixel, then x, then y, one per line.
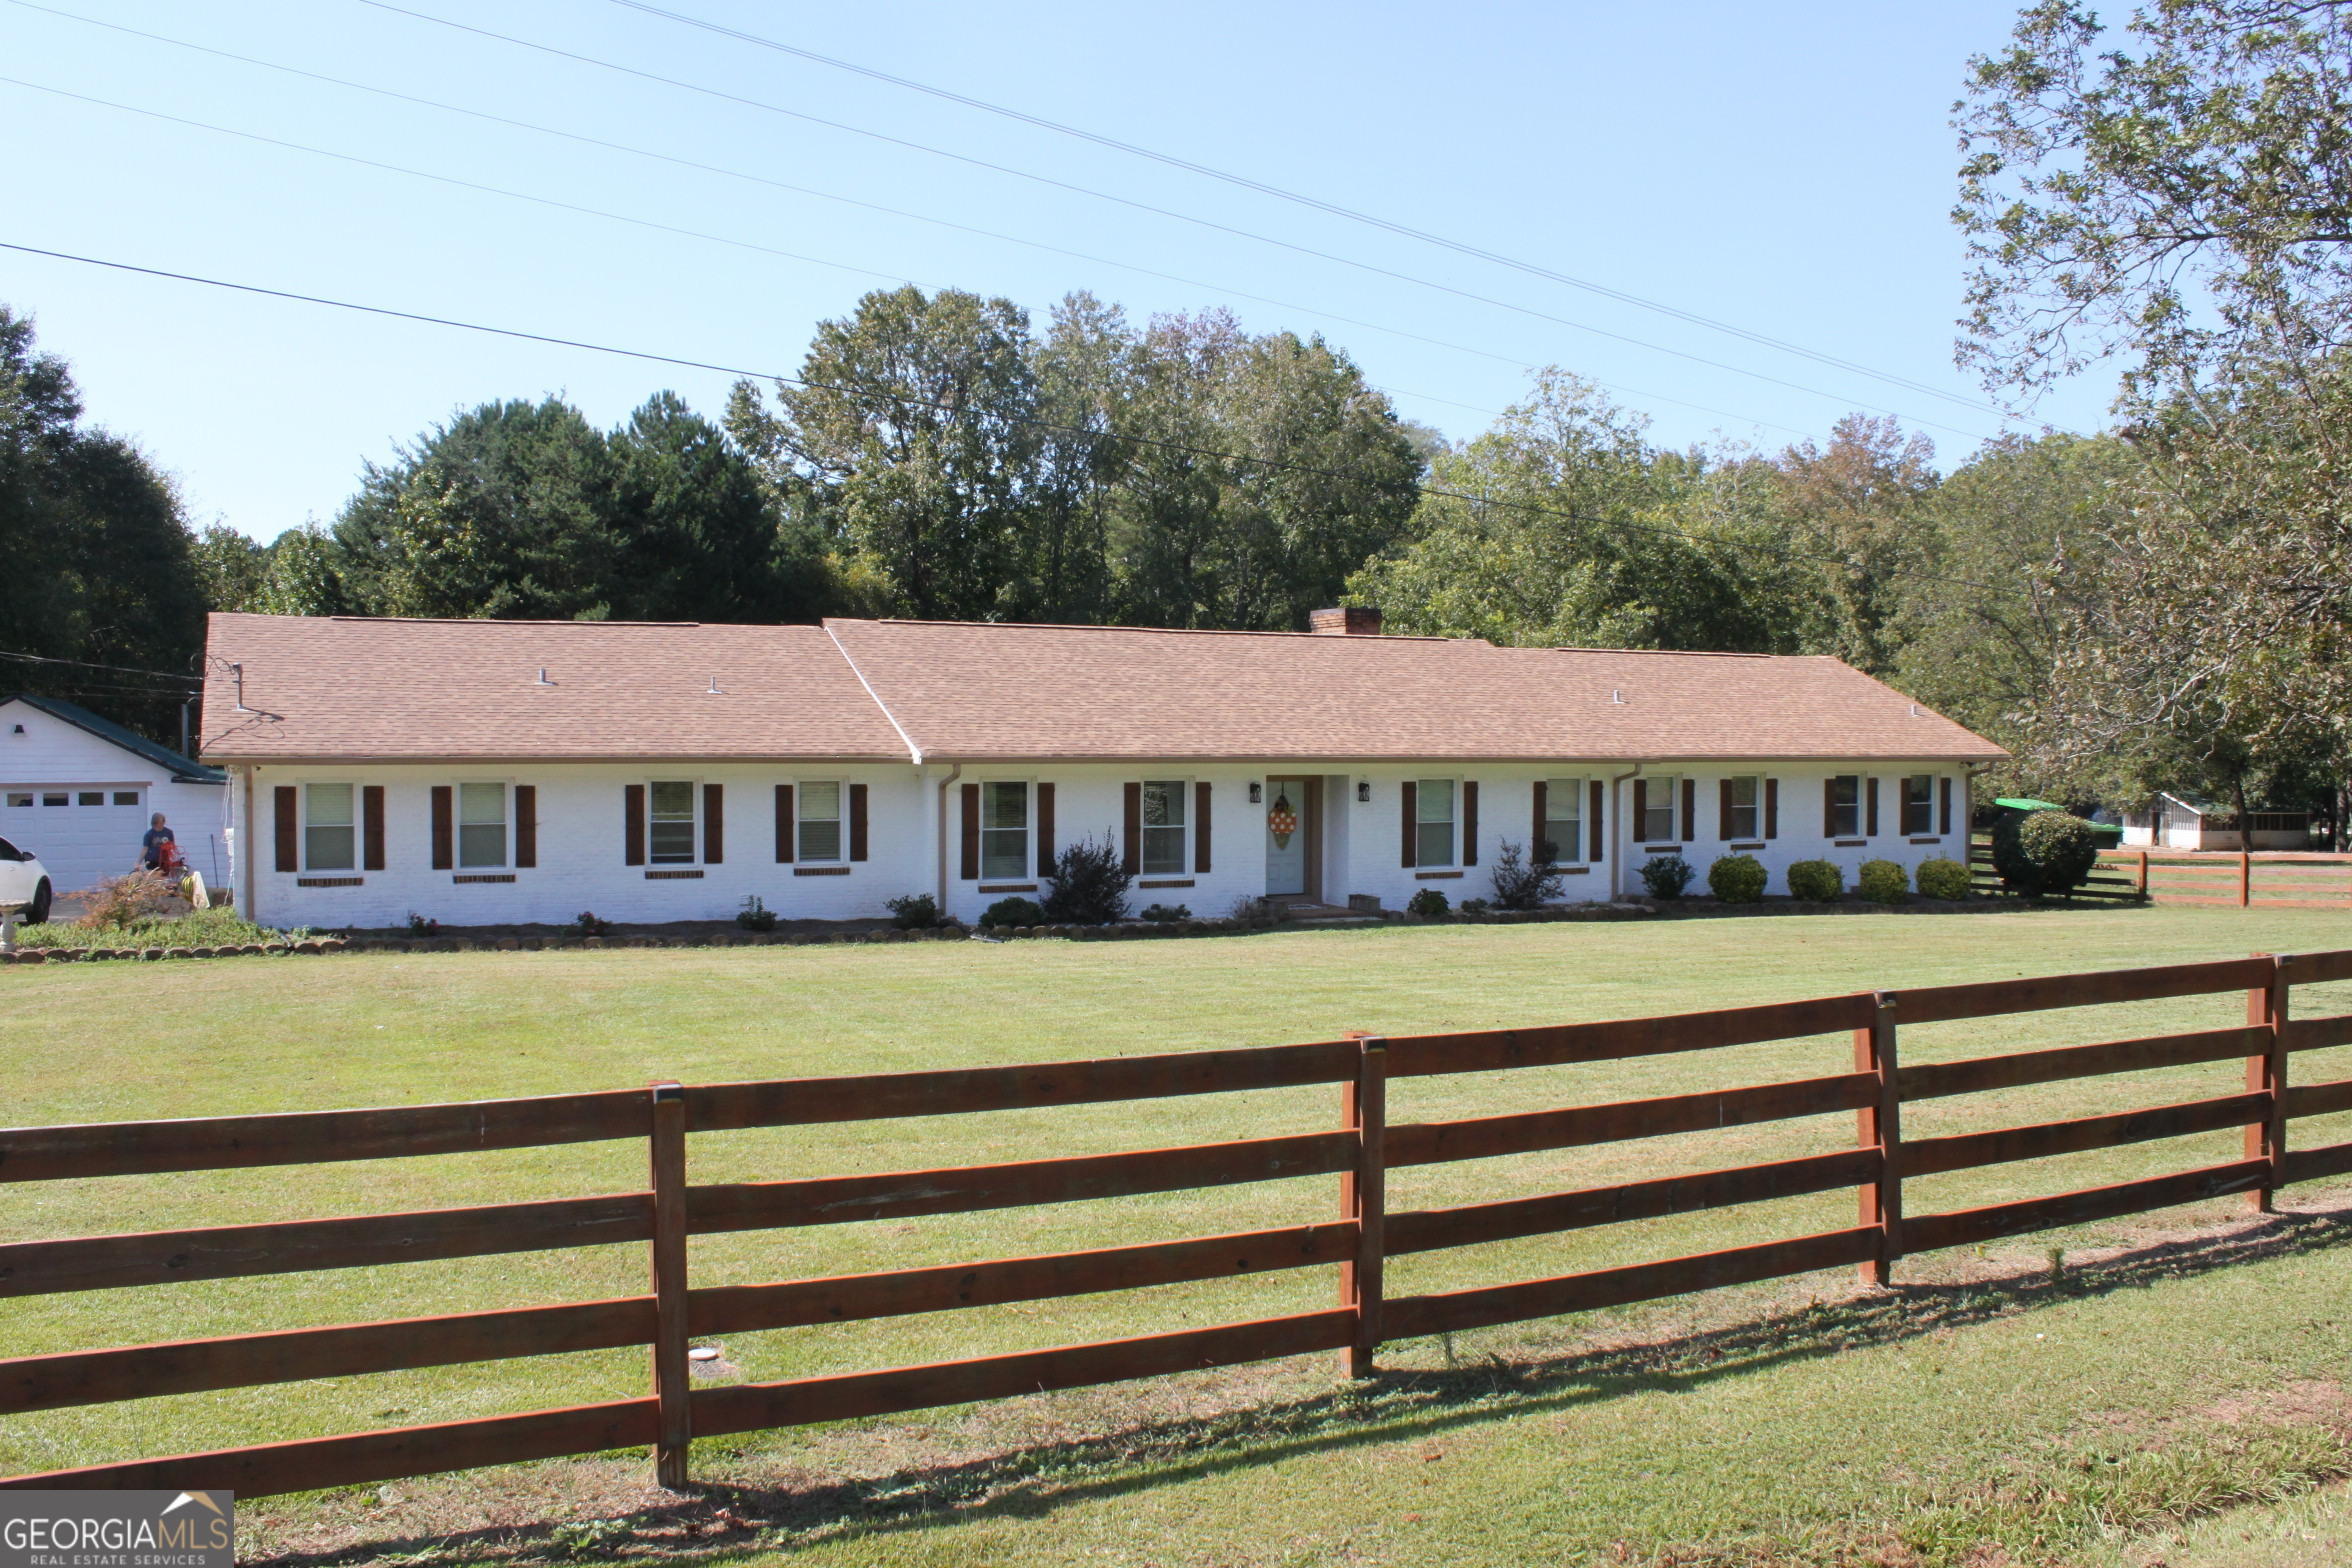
pixel 1787 170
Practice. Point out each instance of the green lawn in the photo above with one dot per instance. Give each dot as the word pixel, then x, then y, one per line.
pixel 1865 1416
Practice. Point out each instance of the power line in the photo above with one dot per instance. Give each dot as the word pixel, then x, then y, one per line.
pixel 1317 203
pixel 452 180
pixel 907 399
pixel 852 201
pixel 84 664
pixel 1165 212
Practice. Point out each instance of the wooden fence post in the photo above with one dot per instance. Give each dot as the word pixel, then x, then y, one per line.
pixel 2266 1073
pixel 1880 1125
pixel 1363 1198
pixel 2245 876
pixel 675 1410
pixel 2143 876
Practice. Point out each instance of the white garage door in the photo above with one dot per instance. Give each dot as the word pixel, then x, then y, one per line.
pixel 82 832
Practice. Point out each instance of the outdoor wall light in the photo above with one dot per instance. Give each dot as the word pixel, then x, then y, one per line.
pixel 1364 791
pixel 1257 792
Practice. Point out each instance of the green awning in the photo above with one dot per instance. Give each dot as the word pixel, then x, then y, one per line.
pixel 2020 803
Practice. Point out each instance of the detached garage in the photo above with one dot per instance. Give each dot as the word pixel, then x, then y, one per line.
pixel 77 790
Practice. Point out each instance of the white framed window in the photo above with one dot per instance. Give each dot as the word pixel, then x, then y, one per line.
pixel 18 797
pixel 1844 816
pixel 1165 826
pixel 91 797
pixel 1004 830
pixel 56 797
pixel 1919 804
pixel 1745 819
pixel 670 821
pixel 330 837
pixel 1433 829
pixel 481 825
pixel 819 831
pixel 126 797
pixel 1563 827
pixel 1658 803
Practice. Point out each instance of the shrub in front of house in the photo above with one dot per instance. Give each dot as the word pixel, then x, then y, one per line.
pixel 2043 852
pixel 1666 876
pixel 1816 881
pixel 1883 882
pixel 1943 879
pixel 1427 901
pixel 1523 882
pixel 1088 884
pixel 913 911
pixel 1161 914
pixel 1014 911
pixel 1736 879
pixel 755 916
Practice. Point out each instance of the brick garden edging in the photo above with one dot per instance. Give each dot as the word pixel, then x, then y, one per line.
pixel 1684 909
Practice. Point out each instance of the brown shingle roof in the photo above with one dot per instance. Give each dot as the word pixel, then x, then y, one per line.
pixel 871 690
pixel 351 689
pixel 972 692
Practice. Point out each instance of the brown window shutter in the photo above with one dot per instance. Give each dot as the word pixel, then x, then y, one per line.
pixel 444 827
pixel 1200 827
pixel 1600 841
pixel 1641 810
pixel 1870 809
pixel 1772 808
pixel 1535 836
pixel 526 825
pixel 371 827
pixel 1133 848
pixel 289 826
pixel 714 824
pixel 1944 805
pixel 1469 822
pixel 971 867
pixel 857 822
pixel 1723 813
pixel 633 825
pixel 787 826
pixel 1829 807
pixel 1046 848
pixel 1690 809
pixel 1410 793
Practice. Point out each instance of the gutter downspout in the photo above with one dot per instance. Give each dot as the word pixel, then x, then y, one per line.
pixel 1622 842
pixel 953 774
pixel 241 849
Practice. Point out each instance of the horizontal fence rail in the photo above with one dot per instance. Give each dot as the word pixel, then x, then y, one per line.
pixel 1358 1152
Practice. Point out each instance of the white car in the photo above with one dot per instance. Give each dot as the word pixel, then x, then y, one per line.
pixel 24 881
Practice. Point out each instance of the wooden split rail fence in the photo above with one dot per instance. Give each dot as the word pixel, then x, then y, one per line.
pixel 2240 880
pixel 1359 1151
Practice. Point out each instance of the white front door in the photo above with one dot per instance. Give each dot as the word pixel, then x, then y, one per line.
pixel 1286 837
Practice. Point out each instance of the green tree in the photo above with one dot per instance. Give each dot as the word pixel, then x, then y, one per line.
pixel 97 551
pixel 230 568
pixel 504 512
pixel 911 444
pixel 2184 197
pixel 696 537
pixel 1563 526
pixel 1858 507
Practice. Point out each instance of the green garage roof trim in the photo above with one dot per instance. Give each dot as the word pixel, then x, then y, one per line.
pixel 183 769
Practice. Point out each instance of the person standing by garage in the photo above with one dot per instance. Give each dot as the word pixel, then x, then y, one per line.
pixel 158 849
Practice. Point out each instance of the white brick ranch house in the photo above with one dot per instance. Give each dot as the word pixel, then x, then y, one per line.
pixel 491 772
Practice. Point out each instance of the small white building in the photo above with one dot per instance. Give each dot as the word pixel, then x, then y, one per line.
pixel 77 790
pixel 2179 821
pixel 509 772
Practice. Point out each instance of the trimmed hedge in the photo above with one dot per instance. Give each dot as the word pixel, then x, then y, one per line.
pixel 2044 852
pixel 1817 881
pixel 1883 882
pixel 1946 879
pixel 1666 876
pixel 1737 879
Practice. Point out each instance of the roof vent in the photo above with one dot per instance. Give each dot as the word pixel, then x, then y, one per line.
pixel 1616 695
pixel 714 688
pixel 543 680
pixel 1355 620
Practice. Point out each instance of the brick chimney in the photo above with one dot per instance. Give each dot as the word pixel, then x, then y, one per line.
pixel 1353 621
